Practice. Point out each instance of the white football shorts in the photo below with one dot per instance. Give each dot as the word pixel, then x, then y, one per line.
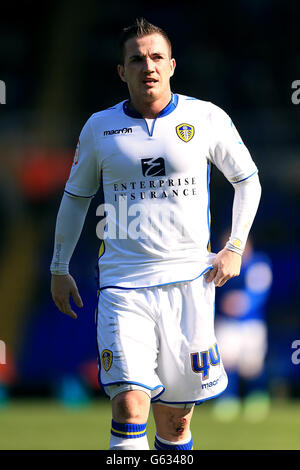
pixel 161 339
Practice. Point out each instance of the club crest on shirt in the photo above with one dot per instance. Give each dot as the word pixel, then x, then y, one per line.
pixel 106 359
pixel 185 132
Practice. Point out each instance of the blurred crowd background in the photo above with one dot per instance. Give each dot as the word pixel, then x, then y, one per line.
pixel 58 60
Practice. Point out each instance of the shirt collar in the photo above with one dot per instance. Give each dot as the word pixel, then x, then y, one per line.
pixel 167 110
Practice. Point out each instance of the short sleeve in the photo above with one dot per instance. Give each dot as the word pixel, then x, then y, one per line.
pixel 84 177
pixel 227 150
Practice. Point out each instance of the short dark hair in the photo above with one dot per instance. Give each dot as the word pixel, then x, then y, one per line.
pixel 141 27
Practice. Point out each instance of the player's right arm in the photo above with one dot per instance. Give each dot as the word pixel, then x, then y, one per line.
pixel 69 224
pixel 81 186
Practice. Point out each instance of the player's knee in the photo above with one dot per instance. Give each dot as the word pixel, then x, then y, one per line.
pixel 131 406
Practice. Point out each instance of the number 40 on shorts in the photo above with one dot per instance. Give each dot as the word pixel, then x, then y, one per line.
pixel 202 361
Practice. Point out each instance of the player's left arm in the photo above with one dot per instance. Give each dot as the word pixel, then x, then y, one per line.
pixel 227 263
pixel 230 155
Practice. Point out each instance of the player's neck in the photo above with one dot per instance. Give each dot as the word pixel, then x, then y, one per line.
pixel 150 109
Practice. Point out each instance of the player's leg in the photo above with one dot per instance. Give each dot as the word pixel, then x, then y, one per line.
pixel 172 427
pixel 127 342
pixel 189 363
pixel 130 410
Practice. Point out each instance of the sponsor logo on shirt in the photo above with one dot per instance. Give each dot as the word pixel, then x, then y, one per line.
pixel 185 132
pixel 130 218
pixel 156 188
pixel 125 130
pixel 153 166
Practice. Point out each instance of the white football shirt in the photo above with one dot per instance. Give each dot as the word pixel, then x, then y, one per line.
pixel 155 178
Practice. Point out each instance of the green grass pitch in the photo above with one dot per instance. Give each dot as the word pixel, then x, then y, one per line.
pixel 47 425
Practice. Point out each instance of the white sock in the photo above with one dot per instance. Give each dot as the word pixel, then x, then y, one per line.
pixel 163 444
pixel 130 436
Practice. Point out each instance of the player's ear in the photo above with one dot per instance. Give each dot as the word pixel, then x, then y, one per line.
pixel 121 72
pixel 172 65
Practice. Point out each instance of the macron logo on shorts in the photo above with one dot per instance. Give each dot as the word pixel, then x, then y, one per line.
pixel 153 167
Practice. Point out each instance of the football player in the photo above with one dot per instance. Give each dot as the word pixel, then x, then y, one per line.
pixel 152 155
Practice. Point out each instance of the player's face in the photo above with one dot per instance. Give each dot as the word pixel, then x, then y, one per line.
pixel 147 68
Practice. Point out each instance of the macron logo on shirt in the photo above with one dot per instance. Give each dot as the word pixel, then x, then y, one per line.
pixel 153 167
pixel 125 130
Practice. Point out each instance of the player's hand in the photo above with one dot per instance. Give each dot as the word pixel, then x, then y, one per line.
pixel 62 286
pixel 227 264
